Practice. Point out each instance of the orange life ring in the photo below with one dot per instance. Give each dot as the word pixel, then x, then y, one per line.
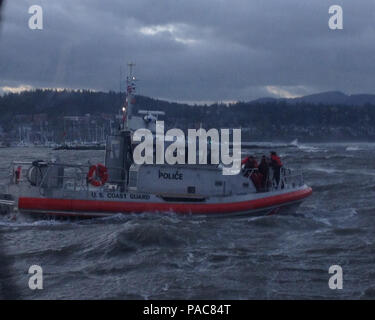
pixel 101 172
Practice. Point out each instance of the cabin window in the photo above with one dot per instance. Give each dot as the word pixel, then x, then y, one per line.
pixel 245 184
pixel 191 189
pixel 115 149
pixel 133 178
pixel 218 183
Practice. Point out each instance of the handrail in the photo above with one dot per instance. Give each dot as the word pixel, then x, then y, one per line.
pixel 288 178
pixel 73 177
pixel 76 179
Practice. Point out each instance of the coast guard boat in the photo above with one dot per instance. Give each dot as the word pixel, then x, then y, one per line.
pixel 53 188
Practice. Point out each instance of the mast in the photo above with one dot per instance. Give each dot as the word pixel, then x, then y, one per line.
pixel 130 99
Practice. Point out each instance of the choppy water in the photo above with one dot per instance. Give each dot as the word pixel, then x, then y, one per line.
pixel 179 257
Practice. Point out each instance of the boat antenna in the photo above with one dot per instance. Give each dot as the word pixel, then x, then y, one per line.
pixel 127 109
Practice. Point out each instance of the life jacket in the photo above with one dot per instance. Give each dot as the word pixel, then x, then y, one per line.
pixel 276 159
pixel 251 163
pixel 244 160
pixel 257 179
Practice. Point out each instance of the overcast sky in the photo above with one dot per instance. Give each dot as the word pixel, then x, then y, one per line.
pixel 191 50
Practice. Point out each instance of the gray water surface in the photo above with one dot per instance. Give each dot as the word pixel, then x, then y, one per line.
pixel 159 256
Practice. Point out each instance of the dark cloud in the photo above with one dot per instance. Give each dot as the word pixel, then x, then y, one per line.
pixel 191 50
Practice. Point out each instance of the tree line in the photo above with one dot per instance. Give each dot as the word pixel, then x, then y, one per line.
pixel 274 119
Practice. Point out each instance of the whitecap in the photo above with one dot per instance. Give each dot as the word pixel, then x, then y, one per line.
pixel 353 148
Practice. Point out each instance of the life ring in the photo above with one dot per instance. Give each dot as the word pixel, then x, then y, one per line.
pixel 101 173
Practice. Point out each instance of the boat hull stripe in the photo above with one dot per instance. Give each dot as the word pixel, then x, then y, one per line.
pixel 47 204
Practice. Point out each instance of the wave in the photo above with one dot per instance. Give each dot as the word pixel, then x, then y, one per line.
pixel 369 293
pixel 325 170
pixel 264 145
pixel 294 143
pixel 142 233
pixel 308 148
pixel 19 221
pixel 330 187
pixel 287 222
pixel 348 231
pixel 353 148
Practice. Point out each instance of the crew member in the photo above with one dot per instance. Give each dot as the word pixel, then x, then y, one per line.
pixel 249 163
pixel 251 169
pixel 264 171
pixel 276 165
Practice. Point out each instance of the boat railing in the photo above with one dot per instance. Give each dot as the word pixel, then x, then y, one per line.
pixel 64 176
pixel 18 171
pixel 288 179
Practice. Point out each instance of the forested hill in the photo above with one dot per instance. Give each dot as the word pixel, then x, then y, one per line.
pixel 263 119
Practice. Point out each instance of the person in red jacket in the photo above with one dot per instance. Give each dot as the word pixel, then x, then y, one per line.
pixel 276 165
pixel 264 171
pixel 249 163
pixel 251 168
